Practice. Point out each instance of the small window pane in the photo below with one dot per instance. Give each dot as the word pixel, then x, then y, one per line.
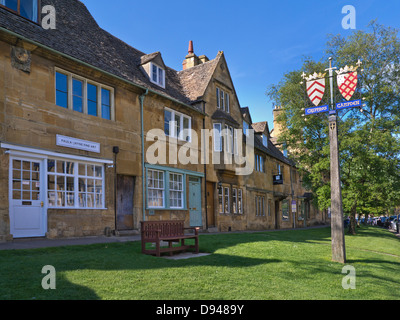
pixel 51 165
pixel 77 95
pixel 177 125
pixel 161 77
pixel 167 120
pixel 154 73
pixel 61 90
pixel 12 4
pixel 186 127
pixel 29 9
pixel 105 104
pixel 98 171
pixel 92 99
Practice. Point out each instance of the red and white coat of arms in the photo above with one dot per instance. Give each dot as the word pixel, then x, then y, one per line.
pixel 347 84
pixel 315 87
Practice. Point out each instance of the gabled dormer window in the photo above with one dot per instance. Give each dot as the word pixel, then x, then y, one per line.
pixel 25 8
pixel 265 140
pixel 157 75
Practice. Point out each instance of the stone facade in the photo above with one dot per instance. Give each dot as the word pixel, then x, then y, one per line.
pixel 122 191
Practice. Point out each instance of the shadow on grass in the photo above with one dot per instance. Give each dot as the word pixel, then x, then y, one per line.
pixel 79 268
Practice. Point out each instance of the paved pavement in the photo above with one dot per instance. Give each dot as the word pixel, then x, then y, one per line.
pixel 18 244
pixel 31 243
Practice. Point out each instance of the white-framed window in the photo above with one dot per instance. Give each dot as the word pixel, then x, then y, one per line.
pixel 217 137
pixel 279 168
pixel 285 210
pixel 240 201
pixel 234 201
pixel 74 184
pixel 176 190
pixel 227 206
pixel 223 100
pixel 157 75
pixel 259 165
pixel 177 125
pixel 230 140
pixel 82 95
pixel 260 206
pixel 221 200
pixel 155 189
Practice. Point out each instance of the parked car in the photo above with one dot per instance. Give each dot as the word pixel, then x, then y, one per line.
pixel 393 224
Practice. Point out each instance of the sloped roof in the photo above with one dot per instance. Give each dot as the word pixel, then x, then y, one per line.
pixel 195 80
pixel 261 127
pixel 78 35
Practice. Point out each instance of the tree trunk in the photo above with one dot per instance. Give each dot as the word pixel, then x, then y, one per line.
pixel 352 224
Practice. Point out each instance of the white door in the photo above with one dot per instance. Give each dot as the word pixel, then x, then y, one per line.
pixel 27 212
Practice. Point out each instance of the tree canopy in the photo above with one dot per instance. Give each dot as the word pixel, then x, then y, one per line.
pixel 369 136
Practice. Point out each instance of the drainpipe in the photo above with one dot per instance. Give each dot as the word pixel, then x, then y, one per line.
pixel 115 151
pixel 141 100
pixel 292 191
pixel 205 177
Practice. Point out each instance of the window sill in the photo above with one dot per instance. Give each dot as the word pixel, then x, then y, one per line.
pixel 72 208
pixel 165 209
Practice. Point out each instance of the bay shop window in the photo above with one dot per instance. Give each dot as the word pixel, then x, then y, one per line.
pixel 72 184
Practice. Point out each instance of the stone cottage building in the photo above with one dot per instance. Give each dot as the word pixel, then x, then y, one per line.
pixel 91 130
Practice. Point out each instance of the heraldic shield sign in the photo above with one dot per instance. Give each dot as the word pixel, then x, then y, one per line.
pixel 347 84
pixel 316 87
pixel 347 80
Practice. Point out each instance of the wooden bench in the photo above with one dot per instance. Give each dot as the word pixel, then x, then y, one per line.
pixel 167 231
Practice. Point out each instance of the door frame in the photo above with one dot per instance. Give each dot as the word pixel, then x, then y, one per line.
pixel 43 194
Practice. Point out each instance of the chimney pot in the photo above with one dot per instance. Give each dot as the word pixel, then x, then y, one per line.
pixel 191 50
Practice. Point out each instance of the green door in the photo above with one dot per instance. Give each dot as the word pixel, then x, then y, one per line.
pixel 195 202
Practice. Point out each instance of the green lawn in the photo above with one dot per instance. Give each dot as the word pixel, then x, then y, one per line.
pixel 250 266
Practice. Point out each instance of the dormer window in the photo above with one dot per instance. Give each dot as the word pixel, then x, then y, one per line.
pixel 265 140
pixel 25 8
pixel 157 75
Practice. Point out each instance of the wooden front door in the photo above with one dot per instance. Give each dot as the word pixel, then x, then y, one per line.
pixel 125 193
pixel 210 204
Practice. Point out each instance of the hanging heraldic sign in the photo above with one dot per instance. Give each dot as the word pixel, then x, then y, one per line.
pixel 347 80
pixel 79 144
pixel 315 87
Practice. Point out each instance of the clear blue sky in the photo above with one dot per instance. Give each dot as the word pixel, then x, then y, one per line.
pixel 261 39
